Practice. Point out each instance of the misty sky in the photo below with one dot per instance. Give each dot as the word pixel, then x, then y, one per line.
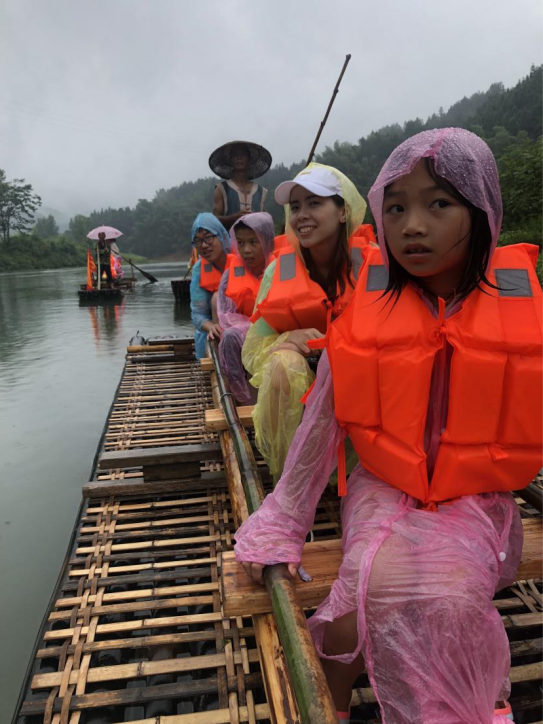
pixel 103 102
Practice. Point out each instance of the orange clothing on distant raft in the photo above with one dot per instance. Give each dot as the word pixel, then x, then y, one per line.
pixel 210 276
pixel 242 287
pixel 295 301
pixel 116 267
pixel 493 437
pixel 193 257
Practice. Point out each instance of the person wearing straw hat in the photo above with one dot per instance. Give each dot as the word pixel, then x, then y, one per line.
pixel 238 163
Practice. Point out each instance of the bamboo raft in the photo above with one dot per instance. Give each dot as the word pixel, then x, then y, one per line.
pixel 151 621
pixel 108 292
pixel 111 294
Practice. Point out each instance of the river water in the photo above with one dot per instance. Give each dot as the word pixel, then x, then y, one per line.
pixel 60 364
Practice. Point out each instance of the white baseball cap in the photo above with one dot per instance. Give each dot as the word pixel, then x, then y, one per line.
pixel 317 179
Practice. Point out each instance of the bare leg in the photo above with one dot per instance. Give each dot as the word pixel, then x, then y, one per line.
pixel 340 637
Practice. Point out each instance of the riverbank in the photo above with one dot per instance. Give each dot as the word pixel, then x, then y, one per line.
pixel 31 254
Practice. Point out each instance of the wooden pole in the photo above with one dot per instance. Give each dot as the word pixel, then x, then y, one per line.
pixel 308 680
pixel 332 99
pixel 99 270
pixel 147 275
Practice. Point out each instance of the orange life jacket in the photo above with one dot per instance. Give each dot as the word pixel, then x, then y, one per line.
pixel 242 287
pixel 493 437
pixel 365 232
pixel 280 242
pixel 210 276
pixel 295 301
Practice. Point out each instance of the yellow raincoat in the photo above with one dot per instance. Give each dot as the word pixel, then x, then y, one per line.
pixel 283 377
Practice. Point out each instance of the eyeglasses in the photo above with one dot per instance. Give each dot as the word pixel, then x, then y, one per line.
pixel 207 240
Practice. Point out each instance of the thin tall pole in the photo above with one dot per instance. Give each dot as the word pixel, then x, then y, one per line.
pixel 99 269
pixel 332 99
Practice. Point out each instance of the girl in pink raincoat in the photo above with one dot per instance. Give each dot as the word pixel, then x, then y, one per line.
pixel 412 604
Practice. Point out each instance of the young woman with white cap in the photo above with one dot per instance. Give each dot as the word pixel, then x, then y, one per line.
pixel 309 284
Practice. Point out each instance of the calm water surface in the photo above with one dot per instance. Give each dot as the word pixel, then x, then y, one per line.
pixel 60 364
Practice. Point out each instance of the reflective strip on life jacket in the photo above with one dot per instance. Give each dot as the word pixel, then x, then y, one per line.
pixel 493 438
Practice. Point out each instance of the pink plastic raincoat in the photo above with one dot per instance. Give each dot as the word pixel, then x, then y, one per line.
pixel 233 324
pixel 422 582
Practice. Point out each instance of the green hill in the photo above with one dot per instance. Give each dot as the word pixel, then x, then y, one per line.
pixel 509 119
pixel 505 118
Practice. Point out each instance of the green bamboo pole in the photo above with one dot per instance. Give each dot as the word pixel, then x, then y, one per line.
pixel 308 681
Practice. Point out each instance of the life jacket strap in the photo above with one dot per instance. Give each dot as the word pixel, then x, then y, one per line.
pixel 305 396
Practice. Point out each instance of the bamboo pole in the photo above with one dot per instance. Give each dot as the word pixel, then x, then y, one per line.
pixel 99 270
pixel 333 98
pixel 150 348
pixel 309 683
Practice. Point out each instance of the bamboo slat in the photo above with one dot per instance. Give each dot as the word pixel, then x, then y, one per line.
pixel 321 559
pixel 137 630
pixel 206 364
pixel 159 456
pixel 215 419
pixel 138 611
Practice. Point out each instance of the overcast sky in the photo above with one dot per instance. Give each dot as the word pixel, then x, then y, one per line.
pixel 103 102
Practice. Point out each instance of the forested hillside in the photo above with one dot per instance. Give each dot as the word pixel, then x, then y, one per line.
pixel 508 119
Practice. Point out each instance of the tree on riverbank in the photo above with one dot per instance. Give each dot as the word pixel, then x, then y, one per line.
pixel 522 182
pixel 18 204
pixel 46 227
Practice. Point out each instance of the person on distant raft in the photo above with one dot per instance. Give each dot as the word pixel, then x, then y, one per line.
pixel 238 162
pixel 108 265
pixel 309 283
pixel 434 372
pixel 252 239
pixel 212 242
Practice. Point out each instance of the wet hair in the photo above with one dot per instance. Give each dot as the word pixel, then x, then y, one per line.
pixel 240 226
pixel 341 267
pixel 478 249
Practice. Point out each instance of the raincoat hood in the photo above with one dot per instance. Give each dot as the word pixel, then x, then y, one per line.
pixel 262 224
pixel 460 157
pixel 210 223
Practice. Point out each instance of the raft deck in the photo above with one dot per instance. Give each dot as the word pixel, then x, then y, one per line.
pixel 136 630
